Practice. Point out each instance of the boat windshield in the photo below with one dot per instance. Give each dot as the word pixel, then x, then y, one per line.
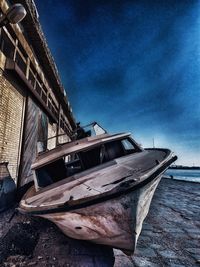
pixel 84 160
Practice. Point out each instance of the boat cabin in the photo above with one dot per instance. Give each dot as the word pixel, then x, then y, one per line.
pixel 78 156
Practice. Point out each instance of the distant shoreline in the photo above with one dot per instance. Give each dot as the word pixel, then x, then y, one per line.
pixel 178 167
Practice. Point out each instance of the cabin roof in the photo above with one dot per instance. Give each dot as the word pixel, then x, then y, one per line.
pixel 73 147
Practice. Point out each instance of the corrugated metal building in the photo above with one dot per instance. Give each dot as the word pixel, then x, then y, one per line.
pixel 33 103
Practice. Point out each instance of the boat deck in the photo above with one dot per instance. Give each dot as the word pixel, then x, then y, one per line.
pixel 107 179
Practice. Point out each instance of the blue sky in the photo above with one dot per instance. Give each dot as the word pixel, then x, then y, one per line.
pixel 132 66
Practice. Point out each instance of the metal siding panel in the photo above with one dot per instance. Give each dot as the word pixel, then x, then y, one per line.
pixel 29 141
pixel 36 129
pixel 42 128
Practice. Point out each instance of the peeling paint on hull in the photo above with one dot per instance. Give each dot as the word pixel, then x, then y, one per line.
pixel 116 223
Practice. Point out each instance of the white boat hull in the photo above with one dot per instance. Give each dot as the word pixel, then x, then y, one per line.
pixel 116 222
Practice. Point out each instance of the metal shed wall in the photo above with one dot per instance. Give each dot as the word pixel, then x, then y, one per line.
pixel 35 129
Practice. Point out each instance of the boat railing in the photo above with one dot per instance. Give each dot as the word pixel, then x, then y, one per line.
pixel 80 132
pixel 52 142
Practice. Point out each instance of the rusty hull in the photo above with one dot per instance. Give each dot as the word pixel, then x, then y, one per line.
pixel 116 223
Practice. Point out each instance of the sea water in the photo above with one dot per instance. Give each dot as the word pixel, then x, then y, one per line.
pixel 186 175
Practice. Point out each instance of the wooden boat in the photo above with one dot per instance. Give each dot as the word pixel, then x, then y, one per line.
pixel 97 188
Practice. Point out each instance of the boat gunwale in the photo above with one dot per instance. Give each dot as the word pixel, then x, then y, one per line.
pixel 74 205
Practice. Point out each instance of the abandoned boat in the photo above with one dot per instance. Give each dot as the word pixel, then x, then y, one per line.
pixel 98 188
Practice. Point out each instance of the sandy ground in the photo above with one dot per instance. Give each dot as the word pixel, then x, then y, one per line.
pixel 170 236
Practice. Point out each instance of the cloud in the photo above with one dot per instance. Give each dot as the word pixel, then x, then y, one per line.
pixel 132 65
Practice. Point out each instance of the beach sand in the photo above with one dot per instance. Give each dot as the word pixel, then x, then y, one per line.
pixel 171 231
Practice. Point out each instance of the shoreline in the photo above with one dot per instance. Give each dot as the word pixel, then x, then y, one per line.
pixel 187 180
pixel 184 168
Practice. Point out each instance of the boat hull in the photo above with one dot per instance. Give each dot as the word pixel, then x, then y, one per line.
pixel 116 222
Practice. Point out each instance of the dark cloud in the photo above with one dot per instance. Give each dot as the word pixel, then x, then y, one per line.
pixel 109 82
pixel 132 65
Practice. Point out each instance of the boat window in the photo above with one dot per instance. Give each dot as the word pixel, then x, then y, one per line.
pixel 90 158
pixel 128 145
pixel 113 150
pixel 84 160
pixel 73 164
pixel 51 173
pixel 101 154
